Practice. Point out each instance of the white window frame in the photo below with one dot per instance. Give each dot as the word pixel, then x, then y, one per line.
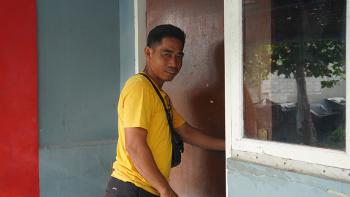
pixel 273 153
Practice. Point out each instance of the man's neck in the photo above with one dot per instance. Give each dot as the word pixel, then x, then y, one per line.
pixel 158 82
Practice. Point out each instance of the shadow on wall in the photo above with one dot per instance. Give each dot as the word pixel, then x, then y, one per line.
pixel 208 109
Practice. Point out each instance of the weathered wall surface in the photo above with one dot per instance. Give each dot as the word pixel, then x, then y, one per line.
pixel 247 179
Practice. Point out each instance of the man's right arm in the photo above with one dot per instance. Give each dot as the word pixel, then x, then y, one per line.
pixel 141 156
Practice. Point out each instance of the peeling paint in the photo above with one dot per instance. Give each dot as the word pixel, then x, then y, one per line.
pixel 311 169
pixel 248 179
pixel 336 193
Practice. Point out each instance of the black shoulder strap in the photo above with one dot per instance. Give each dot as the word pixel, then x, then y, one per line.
pixel 170 122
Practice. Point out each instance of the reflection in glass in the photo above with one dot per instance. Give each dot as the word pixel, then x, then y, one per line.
pixel 294 71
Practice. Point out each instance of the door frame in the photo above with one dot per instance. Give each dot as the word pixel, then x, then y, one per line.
pixel 140 26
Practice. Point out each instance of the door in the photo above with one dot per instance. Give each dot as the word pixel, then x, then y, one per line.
pixel 198 90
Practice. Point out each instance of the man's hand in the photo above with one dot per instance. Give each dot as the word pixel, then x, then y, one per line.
pixel 168 193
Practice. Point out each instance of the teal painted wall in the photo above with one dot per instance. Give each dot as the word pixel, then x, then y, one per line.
pixel 249 180
pixel 79 80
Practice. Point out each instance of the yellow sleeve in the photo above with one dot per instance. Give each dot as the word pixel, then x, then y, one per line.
pixel 177 119
pixel 137 106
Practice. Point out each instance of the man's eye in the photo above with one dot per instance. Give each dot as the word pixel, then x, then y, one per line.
pixel 179 56
pixel 166 54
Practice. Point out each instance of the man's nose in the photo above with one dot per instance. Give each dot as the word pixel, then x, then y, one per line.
pixel 173 61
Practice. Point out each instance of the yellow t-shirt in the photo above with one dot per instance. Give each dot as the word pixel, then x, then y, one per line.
pixel 140 106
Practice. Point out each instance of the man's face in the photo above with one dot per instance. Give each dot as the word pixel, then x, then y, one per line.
pixel 165 59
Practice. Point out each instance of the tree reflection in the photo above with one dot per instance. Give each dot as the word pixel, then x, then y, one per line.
pixel 307 40
pixel 313 49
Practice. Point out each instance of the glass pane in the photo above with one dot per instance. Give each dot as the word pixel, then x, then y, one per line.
pixel 294 71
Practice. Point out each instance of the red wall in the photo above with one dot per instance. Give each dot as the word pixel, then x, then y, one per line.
pixel 19 174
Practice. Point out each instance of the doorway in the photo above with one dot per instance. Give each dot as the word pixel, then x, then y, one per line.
pixel 198 90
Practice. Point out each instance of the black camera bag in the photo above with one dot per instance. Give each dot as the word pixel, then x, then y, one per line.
pixel 176 140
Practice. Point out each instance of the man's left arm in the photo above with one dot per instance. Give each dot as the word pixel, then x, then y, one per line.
pixel 195 137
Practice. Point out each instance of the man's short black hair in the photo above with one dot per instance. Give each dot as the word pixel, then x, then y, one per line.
pixel 161 31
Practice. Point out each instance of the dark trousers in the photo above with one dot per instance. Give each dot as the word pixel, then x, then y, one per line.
pixel 118 188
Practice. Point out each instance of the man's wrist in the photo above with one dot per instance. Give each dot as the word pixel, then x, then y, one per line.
pixel 165 190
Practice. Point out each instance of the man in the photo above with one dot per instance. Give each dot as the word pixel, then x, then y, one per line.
pixel 144 149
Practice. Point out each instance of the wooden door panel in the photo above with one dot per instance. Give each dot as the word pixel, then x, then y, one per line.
pixel 198 90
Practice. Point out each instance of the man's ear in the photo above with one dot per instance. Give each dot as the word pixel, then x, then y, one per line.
pixel 148 52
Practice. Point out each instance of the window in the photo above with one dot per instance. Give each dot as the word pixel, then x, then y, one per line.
pixel 286 81
pixel 294 71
